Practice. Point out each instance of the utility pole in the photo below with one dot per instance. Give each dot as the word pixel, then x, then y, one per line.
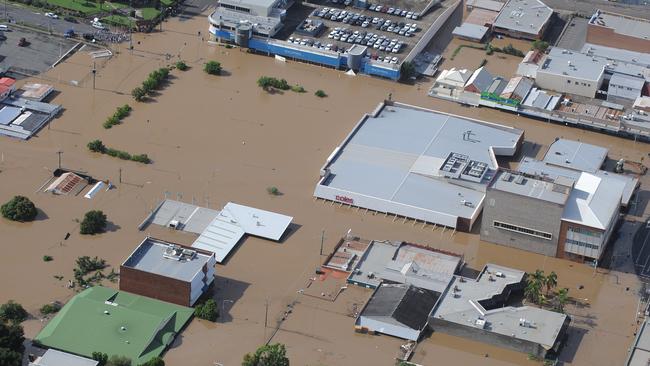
pixel 130 27
pixel 322 239
pixel 120 177
pixel 266 314
pixel 59 153
pixel 94 74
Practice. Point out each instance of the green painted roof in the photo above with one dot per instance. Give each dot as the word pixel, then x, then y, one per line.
pixel 135 326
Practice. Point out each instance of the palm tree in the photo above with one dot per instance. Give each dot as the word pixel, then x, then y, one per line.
pixel 551 281
pixel 533 290
pixel 562 298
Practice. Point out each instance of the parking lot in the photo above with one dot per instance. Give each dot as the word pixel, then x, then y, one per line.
pixel 38 55
pixel 389 32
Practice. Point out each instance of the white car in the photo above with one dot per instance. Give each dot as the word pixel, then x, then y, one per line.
pixel 97 25
pixel 52 15
pixel 3 28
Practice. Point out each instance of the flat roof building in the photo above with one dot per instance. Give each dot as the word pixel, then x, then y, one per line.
pixel 579 224
pixel 480 310
pixel 571 72
pixel 624 89
pixel 398 310
pixel 52 357
pixel 101 319
pixel 406 263
pixel 619 31
pixel 639 354
pixel 576 155
pixel 471 32
pixel 417 163
pixel 484 4
pixel 527 19
pixel 168 271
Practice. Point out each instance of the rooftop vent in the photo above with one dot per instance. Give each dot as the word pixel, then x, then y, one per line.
pixel 176 252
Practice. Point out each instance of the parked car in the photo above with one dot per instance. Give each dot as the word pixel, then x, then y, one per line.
pixel 69 33
pixel 4 28
pixel 52 15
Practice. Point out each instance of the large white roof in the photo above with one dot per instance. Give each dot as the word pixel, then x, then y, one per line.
pixel 230 225
pixel 593 204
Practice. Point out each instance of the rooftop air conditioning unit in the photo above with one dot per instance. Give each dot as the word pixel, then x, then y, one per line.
pixel 174 224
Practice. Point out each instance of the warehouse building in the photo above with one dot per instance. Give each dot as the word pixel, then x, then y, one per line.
pixel 527 19
pixel 398 310
pixel 639 353
pixel 624 89
pixel 512 217
pixel 168 272
pixel 264 16
pixel 417 163
pixel 581 203
pixel 480 309
pixel 619 31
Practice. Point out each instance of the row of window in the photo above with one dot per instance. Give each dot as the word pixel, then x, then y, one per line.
pixel 578 230
pixel 578 83
pixel 522 230
pixel 620 87
pixel 582 244
pixel 237 8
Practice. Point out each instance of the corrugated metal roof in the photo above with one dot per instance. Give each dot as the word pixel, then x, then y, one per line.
pixel 471 31
pixel 53 357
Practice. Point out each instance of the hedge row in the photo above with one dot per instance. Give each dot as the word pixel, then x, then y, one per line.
pixel 118 116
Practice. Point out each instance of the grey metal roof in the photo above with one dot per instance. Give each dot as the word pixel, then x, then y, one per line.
pixel 471 31
pixel 640 352
pixel 398 156
pixel 53 357
pixel 485 4
pixel 573 64
pixel 149 257
pixel 249 3
pixel 405 263
pixel 617 54
pixel 622 24
pixel 8 114
pixel 625 86
pixel 576 155
pixel 261 23
pixel 192 218
pixel 481 79
pixel 594 201
pixel 461 304
pixel 406 304
pixel 525 16
pixel 536 167
pixel 528 186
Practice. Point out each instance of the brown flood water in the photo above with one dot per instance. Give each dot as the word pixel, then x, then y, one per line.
pixel 219 139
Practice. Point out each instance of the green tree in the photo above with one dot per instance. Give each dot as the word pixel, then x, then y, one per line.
pixel 12 337
pixel 267 355
pixel 101 358
pixel 10 358
pixel 50 308
pixel 407 71
pixel 156 361
pixel 181 65
pixel 19 208
pixel 13 311
pixel 533 291
pixel 208 310
pixel 212 68
pixel 116 360
pixel 319 93
pixel 561 299
pixel 94 222
pixel 96 146
pixel 138 94
pixel 540 45
pixel 550 281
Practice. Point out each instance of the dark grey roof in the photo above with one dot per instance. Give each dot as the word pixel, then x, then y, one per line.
pixel 406 304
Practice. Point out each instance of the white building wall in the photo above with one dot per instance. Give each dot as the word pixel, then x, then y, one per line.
pixel 381 205
pixel 197 283
pixel 567 84
pixel 377 325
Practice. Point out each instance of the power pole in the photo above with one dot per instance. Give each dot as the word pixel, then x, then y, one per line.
pixel 59 153
pixel 120 178
pixel 94 74
pixel 322 239
pixel 266 314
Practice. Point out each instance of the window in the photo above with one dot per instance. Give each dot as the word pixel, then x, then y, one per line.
pixel 582 244
pixel 522 230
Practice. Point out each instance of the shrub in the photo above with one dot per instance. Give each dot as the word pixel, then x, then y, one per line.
pixel 116 360
pixel 19 208
pixel 100 357
pixel 540 45
pixel 13 311
pixel 298 89
pixel 94 222
pixel 47 258
pixel 156 361
pixel 407 70
pixel 123 155
pixel 511 50
pixel 273 191
pixel 212 68
pixel 181 65
pixel 141 158
pixel 96 146
pixel 50 308
pixel 319 93
pixel 208 310
pixel 270 354
pixel 138 94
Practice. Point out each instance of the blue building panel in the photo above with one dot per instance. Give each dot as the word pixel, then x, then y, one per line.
pixel 371 69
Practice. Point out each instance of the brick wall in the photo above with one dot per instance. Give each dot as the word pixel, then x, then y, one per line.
pixel 155 286
pixel 604 36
